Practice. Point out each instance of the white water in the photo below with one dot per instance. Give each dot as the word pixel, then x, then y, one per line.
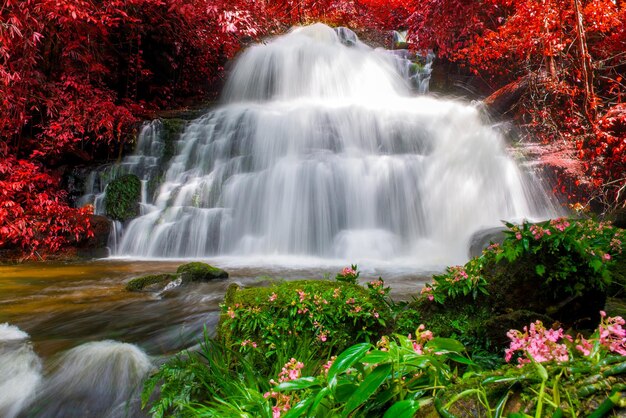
pixel 319 150
pixel 98 379
pixel 20 371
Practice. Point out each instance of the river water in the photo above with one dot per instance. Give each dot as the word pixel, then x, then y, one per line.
pixel 69 333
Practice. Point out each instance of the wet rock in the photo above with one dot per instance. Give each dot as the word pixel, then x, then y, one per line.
pixel 151 282
pixel 196 271
pixel 483 238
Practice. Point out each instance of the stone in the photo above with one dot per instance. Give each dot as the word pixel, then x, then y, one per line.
pixel 483 238
pixel 151 282
pixel 196 271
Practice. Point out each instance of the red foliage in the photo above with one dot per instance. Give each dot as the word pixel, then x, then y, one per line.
pixel 572 51
pixel 32 213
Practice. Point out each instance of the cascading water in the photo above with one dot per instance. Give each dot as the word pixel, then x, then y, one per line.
pixel 20 369
pixel 319 150
pixel 99 379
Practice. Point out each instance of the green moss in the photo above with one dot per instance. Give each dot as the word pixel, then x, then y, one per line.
pixel 122 198
pixel 172 129
pixel 196 271
pixel 143 282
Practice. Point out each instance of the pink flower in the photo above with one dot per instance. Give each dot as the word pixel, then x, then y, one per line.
pixel 273 297
pixel 584 346
pixel 538 343
pixel 348 271
pixel 323 337
pixel 518 236
pixel 301 294
pixel 290 371
pixel 230 312
pixel 607 256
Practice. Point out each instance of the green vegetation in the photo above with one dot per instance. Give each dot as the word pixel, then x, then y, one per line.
pixel 122 198
pixel 335 348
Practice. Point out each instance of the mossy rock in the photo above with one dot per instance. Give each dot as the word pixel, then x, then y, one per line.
pixel 172 129
pixel 325 316
pixel 587 385
pixel 200 272
pixel 462 318
pixel 122 197
pixel 514 286
pixel 150 282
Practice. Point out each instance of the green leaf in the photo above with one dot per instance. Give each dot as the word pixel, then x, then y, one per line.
pixel 502 379
pixel 346 359
pixel 319 398
pixel 445 344
pixel 402 409
pixel 367 388
pixel 376 357
pixel 540 269
pixel 460 359
pixel 344 391
pixel 302 383
pixel 543 373
pixel 526 244
pixel 300 408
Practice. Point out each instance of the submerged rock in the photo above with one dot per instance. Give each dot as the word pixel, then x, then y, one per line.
pixel 196 271
pixel 186 273
pixel 150 282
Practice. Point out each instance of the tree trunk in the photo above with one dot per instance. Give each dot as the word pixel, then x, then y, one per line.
pixel 585 61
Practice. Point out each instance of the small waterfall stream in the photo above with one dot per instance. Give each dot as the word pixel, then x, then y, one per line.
pixel 320 149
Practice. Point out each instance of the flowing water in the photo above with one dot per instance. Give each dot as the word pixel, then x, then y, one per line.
pixel 321 155
pixel 321 150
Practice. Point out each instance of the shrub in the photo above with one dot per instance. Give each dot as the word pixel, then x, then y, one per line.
pixel 328 315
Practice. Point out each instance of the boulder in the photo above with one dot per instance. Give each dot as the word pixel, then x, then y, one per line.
pixel 186 273
pixel 483 238
pixel 151 282
pixel 196 271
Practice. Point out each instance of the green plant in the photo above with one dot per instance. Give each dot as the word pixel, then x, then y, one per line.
pixel 392 379
pixel 329 315
pixel 577 253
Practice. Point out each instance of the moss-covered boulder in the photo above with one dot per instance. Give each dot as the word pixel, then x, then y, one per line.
pixel 516 286
pixel 122 197
pixel 200 272
pixel 151 282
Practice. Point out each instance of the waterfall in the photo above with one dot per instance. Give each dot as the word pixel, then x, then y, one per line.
pixel 145 163
pixel 320 149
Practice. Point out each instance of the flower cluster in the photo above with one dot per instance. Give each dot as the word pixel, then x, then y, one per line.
pixel 348 274
pixel 537 343
pixel 457 281
pixel 560 224
pixel 612 335
pixel 292 370
pixel 422 336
